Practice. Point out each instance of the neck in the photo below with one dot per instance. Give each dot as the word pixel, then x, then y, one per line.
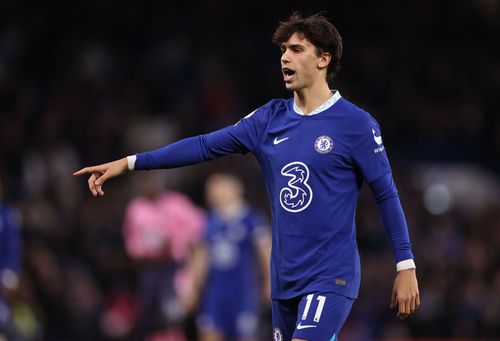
pixel 308 99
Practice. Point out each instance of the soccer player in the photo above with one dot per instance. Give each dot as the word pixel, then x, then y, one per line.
pixel 233 262
pixel 315 150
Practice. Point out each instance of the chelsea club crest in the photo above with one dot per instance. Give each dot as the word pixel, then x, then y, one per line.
pixel 323 144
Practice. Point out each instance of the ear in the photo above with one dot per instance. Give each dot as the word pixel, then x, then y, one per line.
pixel 324 59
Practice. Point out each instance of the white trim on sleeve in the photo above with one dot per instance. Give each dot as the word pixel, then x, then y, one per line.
pixel 131 162
pixel 405 265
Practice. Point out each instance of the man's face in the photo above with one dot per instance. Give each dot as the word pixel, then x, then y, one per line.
pixel 300 65
pixel 221 190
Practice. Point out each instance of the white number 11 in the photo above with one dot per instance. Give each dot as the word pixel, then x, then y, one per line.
pixel 319 309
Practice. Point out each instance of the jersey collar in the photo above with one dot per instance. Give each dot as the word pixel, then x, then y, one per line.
pixel 327 104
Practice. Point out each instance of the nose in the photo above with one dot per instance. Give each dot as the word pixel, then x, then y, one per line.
pixel 285 57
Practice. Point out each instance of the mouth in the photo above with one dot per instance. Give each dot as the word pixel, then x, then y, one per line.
pixel 287 74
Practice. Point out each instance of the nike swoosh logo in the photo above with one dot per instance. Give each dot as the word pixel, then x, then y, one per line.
pixel 300 326
pixel 278 141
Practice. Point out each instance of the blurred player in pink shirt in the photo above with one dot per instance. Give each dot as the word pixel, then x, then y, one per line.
pixel 160 228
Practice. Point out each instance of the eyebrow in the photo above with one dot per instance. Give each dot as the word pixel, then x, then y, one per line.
pixel 293 46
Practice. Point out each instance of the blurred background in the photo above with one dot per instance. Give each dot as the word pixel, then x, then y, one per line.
pixel 84 82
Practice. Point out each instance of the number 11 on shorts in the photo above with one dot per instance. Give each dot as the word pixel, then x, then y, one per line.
pixel 319 309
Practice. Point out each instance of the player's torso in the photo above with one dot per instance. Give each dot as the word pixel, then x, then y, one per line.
pixel 313 186
pixel 229 241
pixel 232 258
pixel 308 165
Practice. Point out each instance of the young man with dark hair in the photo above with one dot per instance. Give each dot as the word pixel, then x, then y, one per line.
pixel 315 150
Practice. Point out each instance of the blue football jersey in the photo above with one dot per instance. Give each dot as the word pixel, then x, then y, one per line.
pixel 233 259
pixel 313 166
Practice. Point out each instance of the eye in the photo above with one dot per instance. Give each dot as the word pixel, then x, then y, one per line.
pixel 296 49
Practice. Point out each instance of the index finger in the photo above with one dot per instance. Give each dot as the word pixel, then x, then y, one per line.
pixel 87 170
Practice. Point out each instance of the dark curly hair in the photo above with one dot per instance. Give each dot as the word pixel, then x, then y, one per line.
pixel 317 30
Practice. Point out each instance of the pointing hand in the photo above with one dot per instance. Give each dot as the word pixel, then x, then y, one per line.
pixel 101 173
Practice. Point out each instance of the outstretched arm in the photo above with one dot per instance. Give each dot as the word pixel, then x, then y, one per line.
pixel 405 292
pixel 182 153
pixel 191 150
pixel 239 138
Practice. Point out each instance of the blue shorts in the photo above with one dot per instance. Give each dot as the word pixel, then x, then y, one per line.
pixel 313 317
pixel 235 317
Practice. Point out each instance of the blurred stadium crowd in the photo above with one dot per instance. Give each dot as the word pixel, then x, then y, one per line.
pixel 82 83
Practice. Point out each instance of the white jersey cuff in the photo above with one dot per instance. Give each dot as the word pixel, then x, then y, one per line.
pixel 131 162
pixel 405 265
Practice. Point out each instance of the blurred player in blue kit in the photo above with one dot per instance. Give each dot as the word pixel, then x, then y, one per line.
pixel 10 263
pixel 315 151
pixel 232 277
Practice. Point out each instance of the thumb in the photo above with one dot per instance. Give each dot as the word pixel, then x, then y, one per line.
pixel 102 179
